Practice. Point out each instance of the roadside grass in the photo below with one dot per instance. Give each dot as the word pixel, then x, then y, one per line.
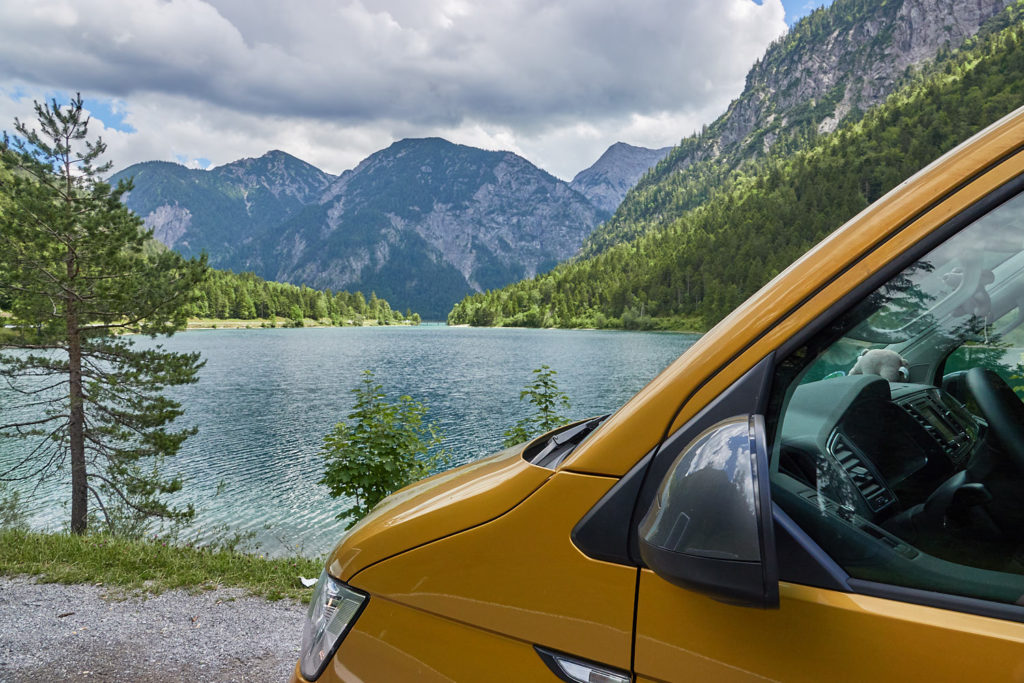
pixel 150 566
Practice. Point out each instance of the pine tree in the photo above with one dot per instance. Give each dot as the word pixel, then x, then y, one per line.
pixel 77 274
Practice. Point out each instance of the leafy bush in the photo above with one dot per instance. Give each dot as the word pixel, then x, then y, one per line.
pixel 383 447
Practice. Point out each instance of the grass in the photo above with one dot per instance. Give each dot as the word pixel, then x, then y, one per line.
pixel 150 566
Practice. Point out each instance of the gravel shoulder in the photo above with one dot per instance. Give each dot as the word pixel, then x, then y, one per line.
pixel 96 633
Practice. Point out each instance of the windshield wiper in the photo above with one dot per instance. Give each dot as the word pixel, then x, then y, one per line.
pixel 563 443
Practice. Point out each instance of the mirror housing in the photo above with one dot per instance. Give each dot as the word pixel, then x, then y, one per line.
pixel 709 528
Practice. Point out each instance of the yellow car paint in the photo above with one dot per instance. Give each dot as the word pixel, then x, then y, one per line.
pixel 814 635
pixel 396 643
pixel 567 602
pixel 436 507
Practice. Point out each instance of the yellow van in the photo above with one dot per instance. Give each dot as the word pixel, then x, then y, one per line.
pixel 828 485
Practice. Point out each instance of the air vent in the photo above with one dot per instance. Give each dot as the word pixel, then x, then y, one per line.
pixel 874 492
pixel 938 421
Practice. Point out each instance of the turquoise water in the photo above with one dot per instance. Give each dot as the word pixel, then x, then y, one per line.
pixel 266 398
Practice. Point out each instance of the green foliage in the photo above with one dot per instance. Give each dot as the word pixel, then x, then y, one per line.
pixel 720 233
pixel 383 447
pixel 245 296
pixel 75 271
pixel 543 394
pixel 12 515
pixel 151 565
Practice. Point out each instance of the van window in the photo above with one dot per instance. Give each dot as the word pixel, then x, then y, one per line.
pixel 899 432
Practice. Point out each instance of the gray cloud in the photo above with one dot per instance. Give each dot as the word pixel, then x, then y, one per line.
pixel 529 69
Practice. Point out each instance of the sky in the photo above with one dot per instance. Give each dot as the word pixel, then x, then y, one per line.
pixel 207 82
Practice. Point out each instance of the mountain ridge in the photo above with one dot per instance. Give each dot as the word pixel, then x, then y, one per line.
pixel 458 218
pixel 726 232
pixel 423 218
pixel 606 182
pixel 832 65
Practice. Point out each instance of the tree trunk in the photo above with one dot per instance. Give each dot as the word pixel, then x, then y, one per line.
pixel 76 422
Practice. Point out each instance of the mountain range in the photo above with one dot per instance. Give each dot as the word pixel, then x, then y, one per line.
pixel 426 222
pixel 832 66
pixel 730 207
pixel 421 223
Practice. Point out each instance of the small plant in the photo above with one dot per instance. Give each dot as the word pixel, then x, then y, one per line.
pixel 381 448
pixel 12 516
pixel 543 393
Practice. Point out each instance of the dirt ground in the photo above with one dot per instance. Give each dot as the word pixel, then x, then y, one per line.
pixel 92 633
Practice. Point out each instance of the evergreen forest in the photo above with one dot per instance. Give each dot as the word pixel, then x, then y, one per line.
pixel 245 296
pixel 225 295
pixel 701 241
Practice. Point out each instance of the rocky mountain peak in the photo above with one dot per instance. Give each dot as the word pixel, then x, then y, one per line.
pixel 458 219
pixel 835 61
pixel 833 64
pixel 618 169
pixel 277 172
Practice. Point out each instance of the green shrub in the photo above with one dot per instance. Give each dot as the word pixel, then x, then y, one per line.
pixel 383 447
pixel 543 393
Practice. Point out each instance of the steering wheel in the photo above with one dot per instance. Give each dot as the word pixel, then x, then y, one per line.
pixel 1002 409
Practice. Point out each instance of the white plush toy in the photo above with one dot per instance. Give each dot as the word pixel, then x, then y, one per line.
pixel 884 363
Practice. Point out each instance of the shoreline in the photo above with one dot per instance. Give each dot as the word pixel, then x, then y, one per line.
pixel 267 324
pixel 574 329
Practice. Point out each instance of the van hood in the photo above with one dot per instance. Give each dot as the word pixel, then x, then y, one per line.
pixel 438 506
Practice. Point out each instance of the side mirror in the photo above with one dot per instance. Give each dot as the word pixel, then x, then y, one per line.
pixel 709 528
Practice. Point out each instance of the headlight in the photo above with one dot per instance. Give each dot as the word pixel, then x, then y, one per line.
pixel 332 611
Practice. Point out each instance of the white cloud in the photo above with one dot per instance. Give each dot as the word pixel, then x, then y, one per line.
pixel 333 81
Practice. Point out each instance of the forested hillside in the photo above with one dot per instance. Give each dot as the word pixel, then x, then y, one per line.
pixel 248 297
pixel 830 67
pixel 751 223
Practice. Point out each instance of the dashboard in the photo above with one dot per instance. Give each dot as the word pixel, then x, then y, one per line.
pixel 871 446
pixel 871 471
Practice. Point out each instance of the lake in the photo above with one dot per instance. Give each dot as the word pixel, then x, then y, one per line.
pixel 266 398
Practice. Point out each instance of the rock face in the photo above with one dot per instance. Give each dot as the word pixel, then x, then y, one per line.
pixel 421 223
pixel 224 210
pixel 838 60
pixel 607 181
pixel 835 62
pixel 424 222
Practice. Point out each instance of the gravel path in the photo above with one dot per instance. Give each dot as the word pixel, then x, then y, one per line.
pixel 93 633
